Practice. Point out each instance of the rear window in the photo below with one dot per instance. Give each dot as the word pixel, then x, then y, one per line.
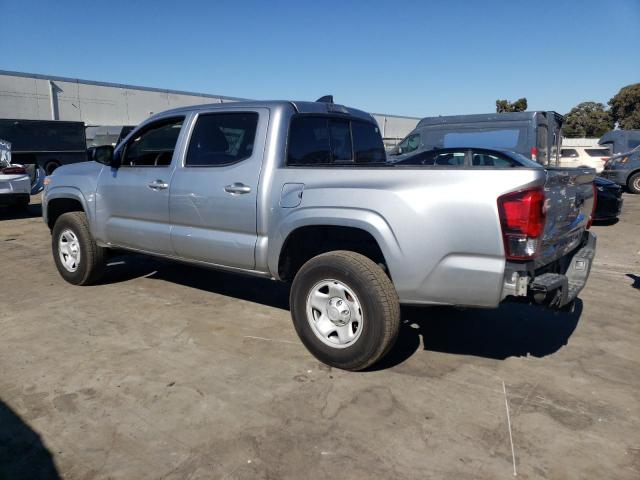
pixel 321 140
pixel 597 152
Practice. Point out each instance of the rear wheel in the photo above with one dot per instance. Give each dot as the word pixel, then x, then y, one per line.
pixel 78 258
pixel 634 183
pixel 345 309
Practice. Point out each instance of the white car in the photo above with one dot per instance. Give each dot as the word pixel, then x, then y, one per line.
pixel 593 157
pixel 15 183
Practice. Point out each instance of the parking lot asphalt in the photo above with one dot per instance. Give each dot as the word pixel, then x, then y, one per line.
pixel 175 372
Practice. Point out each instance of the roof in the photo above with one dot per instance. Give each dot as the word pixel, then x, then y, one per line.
pixel 482 117
pixel 613 135
pixel 298 106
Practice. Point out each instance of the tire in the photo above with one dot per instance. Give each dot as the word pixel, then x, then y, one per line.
pixel 634 183
pixel 358 315
pixel 72 229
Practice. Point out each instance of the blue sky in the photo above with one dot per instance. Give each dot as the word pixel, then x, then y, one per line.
pixel 402 57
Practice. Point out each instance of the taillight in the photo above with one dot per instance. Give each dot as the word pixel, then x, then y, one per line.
pixel 522 218
pixel 14 170
pixel 534 153
pixel 593 208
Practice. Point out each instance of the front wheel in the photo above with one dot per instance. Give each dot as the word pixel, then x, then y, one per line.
pixel 345 309
pixel 78 258
pixel 634 183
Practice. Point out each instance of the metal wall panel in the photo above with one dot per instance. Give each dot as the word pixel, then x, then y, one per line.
pixel 30 96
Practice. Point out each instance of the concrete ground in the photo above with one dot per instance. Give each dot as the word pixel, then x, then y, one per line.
pixel 173 372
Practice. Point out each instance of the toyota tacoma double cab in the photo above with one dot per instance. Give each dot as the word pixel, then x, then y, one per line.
pixel 301 192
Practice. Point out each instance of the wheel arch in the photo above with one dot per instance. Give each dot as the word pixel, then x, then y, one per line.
pixel 62 200
pixel 361 231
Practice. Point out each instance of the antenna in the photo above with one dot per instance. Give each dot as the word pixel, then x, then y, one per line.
pixel 325 99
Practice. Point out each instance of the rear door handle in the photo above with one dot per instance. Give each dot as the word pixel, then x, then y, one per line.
pixel 158 185
pixel 237 188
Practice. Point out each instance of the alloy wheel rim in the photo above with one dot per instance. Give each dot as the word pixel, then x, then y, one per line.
pixel 69 250
pixel 334 313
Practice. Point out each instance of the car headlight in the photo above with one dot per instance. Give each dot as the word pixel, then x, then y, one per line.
pixel 600 189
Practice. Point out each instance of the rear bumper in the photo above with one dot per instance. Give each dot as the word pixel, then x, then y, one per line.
pixel 609 206
pixel 554 285
pixel 9 199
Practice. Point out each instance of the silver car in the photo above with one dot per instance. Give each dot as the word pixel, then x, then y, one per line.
pixel 15 183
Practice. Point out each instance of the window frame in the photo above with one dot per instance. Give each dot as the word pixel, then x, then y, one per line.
pixel 194 124
pixel 333 163
pixel 406 139
pixel 144 129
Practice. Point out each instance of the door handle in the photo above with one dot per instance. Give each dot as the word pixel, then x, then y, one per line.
pixel 158 185
pixel 237 188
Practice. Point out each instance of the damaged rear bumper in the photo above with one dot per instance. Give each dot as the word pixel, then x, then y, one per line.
pixel 555 285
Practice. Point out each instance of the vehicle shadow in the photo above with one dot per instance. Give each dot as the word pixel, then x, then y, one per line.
pixel 22 452
pixel 512 330
pixel 636 280
pixel 606 223
pixel 11 213
pixel 127 266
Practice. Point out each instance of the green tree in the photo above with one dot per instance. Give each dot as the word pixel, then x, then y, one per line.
pixel 519 105
pixel 587 119
pixel 625 107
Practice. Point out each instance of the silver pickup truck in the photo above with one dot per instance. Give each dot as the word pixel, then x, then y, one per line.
pixel 301 192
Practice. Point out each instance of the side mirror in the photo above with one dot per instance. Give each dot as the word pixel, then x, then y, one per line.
pixel 399 150
pixel 102 154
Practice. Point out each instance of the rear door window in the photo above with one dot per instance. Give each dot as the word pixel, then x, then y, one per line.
pixel 222 139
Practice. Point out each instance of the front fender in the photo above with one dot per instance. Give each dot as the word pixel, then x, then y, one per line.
pixel 67 192
pixel 366 220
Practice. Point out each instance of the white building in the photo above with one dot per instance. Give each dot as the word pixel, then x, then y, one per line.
pixel 45 97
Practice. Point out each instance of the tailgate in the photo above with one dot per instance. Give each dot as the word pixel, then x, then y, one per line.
pixel 569 201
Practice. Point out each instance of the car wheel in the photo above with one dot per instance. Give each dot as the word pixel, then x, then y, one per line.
pixel 78 258
pixel 634 183
pixel 345 309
